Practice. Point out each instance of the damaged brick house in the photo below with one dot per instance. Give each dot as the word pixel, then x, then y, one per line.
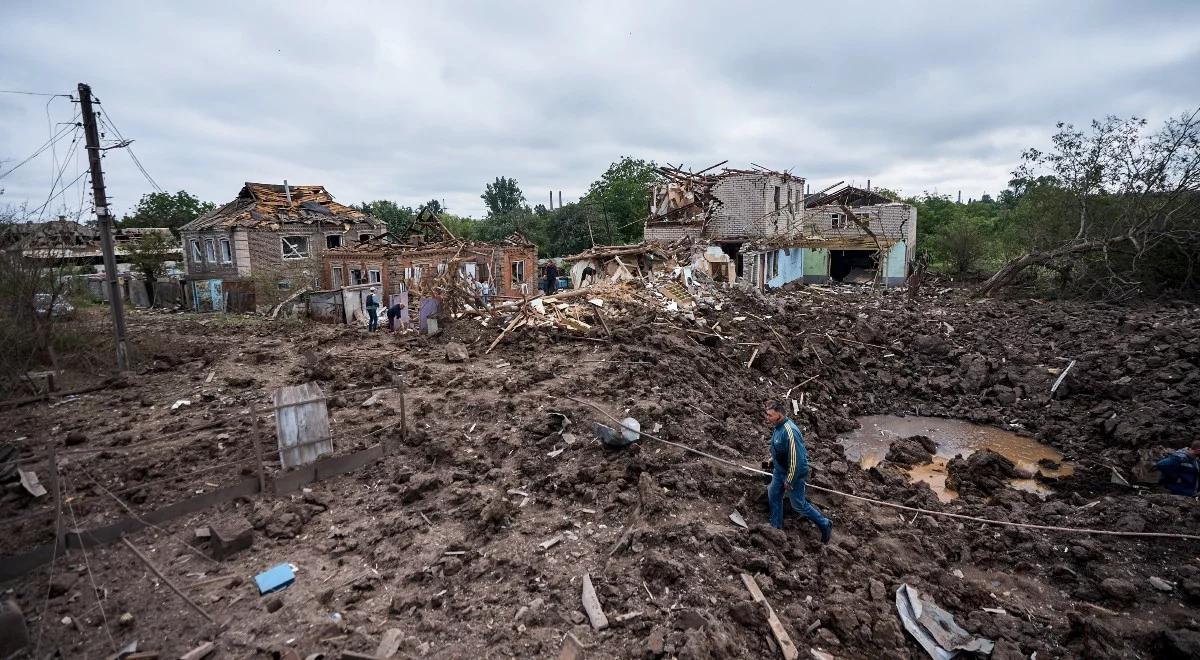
pixel 414 263
pixel 762 226
pixel 266 245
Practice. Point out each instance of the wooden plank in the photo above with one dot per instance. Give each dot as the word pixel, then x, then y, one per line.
pixel 591 604
pixel 199 652
pixel 786 647
pixel 302 424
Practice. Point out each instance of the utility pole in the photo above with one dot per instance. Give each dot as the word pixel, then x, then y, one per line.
pixel 105 221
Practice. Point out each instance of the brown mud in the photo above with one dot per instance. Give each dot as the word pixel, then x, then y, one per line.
pixel 441 539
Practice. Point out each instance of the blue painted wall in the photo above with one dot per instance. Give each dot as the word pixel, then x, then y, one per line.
pixel 791 267
pixel 895 268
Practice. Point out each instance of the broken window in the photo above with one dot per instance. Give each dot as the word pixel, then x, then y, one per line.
pixel 373 276
pixel 210 250
pixel 356 276
pixel 837 220
pixel 364 237
pixel 333 240
pixel 197 255
pixel 776 198
pixel 518 272
pixel 336 277
pixel 294 247
pixel 226 251
pixel 774 267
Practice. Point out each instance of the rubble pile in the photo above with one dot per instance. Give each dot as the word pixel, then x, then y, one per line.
pixel 477 534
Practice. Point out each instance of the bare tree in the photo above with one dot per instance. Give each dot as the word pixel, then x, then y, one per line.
pixel 1134 195
pixel 33 287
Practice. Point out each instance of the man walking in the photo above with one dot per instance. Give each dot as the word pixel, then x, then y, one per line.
pixel 790 471
pixel 1180 471
pixel 551 278
pixel 372 305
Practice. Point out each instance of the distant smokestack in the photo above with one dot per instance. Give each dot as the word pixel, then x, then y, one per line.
pixel 868 185
pixel 960 197
pixel 287 191
pixel 551 200
pixel 560 199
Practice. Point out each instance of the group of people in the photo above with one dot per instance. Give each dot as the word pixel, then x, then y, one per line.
pixel 394 312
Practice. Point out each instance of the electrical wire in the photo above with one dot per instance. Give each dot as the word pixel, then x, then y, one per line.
pixel 91 576
pixel 946 514
pixel 58 136
pixel 54 184
pixel 15 91
pixel 106 120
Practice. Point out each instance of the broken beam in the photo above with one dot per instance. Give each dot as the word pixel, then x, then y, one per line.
pixel 786 647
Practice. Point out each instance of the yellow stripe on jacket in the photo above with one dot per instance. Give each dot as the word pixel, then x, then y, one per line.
pixel 791 453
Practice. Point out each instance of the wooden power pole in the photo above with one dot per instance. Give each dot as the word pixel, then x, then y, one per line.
pixel 104 221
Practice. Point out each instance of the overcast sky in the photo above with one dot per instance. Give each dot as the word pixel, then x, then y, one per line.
pixel 414 100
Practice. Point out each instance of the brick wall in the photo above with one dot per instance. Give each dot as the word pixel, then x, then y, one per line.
pixel 210 265
pixel 894 221
pixel 399 268
pixel 749 206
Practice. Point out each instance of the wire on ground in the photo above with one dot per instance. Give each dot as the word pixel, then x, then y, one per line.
pixel 944 514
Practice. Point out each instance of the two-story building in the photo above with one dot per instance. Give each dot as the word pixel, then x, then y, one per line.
pixel 266 245
pixel 771 232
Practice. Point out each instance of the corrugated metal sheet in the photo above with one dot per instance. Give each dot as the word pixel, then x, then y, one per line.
pixel 302 424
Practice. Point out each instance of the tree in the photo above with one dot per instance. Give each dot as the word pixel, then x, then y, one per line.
pixel 166 210
pixel 503 197
pixel 622 198
pixel 962 243
pixel 435 206
pixel 395 217
pixel 148 256
pixel 1128 202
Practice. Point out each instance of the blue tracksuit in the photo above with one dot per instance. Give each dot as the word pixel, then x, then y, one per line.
pixel 1180 473
pixel 791 466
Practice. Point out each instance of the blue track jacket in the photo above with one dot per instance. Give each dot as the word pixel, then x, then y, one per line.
pixel 788 452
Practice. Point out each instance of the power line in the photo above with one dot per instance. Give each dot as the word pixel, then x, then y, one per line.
pixel 58 136
pixel 61 170
pixel 17 91
pixel 107 120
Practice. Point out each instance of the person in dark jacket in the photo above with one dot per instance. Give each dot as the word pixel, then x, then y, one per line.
pixel 551 278
pixel 789 459
pixel 394 313
pixel 1180 471
pixel 372 305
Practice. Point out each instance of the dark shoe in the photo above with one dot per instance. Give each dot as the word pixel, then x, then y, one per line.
pixel 826 532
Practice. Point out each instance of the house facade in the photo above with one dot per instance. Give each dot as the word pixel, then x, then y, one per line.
pixel 266 245
pixel 770 232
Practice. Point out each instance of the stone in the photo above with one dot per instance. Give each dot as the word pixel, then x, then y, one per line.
pixel 876 589
pixel 655 645
pixel 75 438
pixel 1118 589
pixel 229 536
pixel 14 635
pixel 62 583
pixel 1179 645
pixel 689 619
pixel 126 619
pixel 1161 584
pixel 456 352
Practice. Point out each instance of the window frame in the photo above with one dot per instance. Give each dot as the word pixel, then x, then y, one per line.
pixel 374 276
pixel 365 237
pixel 838 220
pixel 517 272
pixel 336 275
pixel 197 251
pixel 337 237
pixel 283 245
pixel 225 250
pixel 210 251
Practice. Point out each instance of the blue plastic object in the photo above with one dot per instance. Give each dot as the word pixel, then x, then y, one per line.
pixel 274 578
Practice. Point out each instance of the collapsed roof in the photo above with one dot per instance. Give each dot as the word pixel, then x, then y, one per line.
pixel 267 206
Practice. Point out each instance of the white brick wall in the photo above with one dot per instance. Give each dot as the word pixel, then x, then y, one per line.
pixel 749 206
pixel 894 221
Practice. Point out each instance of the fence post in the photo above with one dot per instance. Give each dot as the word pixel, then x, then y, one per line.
pixel 258 453
pixel 55 492
pixel 399 381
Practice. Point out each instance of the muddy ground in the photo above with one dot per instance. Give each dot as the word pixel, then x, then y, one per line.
pixel 441 538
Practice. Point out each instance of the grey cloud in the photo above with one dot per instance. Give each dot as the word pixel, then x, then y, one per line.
pixel 412 102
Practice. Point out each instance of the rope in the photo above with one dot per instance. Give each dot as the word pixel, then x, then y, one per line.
pixel 944 514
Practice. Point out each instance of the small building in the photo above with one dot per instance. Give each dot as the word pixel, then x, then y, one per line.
pixel 418 262
pixel 761 225
pixel 266 245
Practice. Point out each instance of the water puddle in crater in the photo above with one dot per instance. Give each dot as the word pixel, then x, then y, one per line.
pixel 869 445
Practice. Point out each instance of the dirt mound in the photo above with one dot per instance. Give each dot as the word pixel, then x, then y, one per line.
pixel 913 450
pixel 982 473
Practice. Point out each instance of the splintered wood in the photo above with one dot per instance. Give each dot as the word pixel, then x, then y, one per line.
pixel 781 637
pixel 591 604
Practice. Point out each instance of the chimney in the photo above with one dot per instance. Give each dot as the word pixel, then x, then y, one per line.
pixel 287 191
pixel 551 200
pixel 868 185
pixel 560 199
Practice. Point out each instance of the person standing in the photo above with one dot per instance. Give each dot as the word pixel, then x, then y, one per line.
pixel 551 278
pixel 789 472
pixel 372 306
pixel 1180 471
